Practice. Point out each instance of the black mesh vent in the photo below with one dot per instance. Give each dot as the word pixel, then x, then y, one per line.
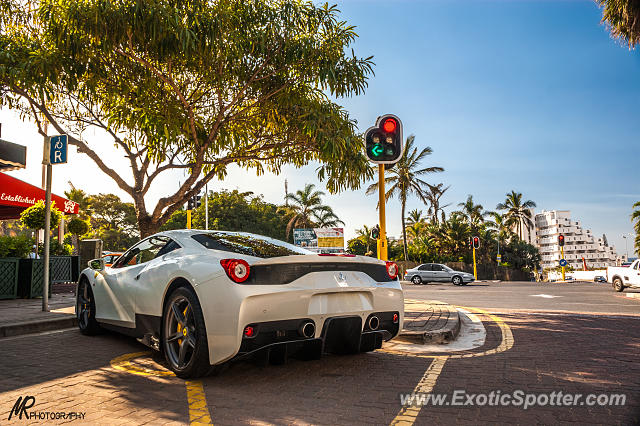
pixel 286 273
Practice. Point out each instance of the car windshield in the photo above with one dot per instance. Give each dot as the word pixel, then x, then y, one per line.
pixel 249 244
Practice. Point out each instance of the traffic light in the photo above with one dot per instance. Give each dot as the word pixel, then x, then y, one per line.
pixel 196 201
pixel 375 232
pixel 384 141
pixel 475 242
pixel 190 204
pixel 561 240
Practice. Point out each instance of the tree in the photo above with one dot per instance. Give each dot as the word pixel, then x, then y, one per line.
pixel 77 227
pixel 325 217
pixel 517 212
pixel 501 224
pixel 364 235
pixel 113 221
pixel 33 217
pixel 404 179
pixel 623 19
pixel 433 198
pixel 471 213
pixel 635 216
pixel 189 86
pixel 80 197
pixel 306 207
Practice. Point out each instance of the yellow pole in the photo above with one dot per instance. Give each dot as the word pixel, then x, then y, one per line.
pixel 382 240
pixel 475 270
pixel 562 257
pixel 188 219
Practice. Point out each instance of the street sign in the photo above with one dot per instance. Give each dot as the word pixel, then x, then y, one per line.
pixel 499 258
pixel 563 262
pixel 58 149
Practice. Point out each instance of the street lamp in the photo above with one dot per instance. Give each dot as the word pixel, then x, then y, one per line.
pixel 626 248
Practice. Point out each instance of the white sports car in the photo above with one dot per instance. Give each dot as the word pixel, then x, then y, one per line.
pixel 206 297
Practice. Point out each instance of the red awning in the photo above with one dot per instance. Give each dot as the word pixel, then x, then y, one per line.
pixel 16 196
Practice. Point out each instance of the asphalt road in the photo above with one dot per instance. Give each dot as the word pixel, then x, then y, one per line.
pixel 578 297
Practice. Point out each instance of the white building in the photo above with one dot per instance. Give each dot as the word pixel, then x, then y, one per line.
pixel 579 242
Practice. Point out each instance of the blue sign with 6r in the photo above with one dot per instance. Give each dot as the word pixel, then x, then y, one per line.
pixel 58 149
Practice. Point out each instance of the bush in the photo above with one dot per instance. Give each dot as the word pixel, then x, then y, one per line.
pixel 56 249
pixel 78 226
pixel 18 246
pixel 33 217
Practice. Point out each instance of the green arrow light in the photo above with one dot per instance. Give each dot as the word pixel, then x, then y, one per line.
pixel 377 150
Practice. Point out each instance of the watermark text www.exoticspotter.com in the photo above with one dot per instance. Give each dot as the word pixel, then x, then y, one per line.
pixel 517 398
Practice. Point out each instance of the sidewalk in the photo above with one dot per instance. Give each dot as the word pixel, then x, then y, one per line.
pixel 425 321
pixel 24 316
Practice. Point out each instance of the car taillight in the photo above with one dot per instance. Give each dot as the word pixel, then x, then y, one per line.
pixel 395 318
pixel 392 270
pixel 236 269
pixel 249 331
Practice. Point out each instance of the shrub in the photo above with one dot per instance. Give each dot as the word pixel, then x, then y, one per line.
pixel 18 246
pixel 33 217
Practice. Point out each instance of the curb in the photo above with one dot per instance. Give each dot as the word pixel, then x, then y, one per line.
pixel 37 326
pixel 442 330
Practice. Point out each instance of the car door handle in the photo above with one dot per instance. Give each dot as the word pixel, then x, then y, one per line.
pixel 138 276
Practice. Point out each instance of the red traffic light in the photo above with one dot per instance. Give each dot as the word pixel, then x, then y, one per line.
pixel 390 125
pixel 561 240
pixel 475 242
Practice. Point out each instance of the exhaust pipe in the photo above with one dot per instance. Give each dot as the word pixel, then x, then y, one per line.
pixel 308 330
pixel 374 322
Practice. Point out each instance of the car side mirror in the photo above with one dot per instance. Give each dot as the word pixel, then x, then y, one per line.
pixel 96 264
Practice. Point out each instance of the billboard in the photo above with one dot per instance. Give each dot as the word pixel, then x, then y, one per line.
pixel 320 240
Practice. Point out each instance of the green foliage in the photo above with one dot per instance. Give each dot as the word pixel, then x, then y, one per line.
pixel 78 226
pixel 114 221
pixel 33 217
pixel 307 211
pixel 191 86
pixel 517 212
pixel 357 246
pixel 635 217
pixel 623 19
pixel 19 246
pixel 56 249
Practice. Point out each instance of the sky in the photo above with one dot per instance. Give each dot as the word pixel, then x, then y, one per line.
pixel 532 96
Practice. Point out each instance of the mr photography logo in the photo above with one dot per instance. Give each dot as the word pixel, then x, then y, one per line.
pixel 21 411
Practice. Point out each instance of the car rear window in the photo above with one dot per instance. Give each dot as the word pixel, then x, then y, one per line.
pixel 248 244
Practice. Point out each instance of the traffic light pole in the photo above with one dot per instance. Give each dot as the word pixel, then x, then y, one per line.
pixel 475 270
pixel 382 238
pixel 188 218
pixel 562 257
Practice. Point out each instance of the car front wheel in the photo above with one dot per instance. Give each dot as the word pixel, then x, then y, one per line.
pixel 456 280
pixel 184 337
pixel 416 280
pixel 86 309
pixel 617 285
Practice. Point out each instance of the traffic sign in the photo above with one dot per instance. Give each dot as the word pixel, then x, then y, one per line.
pixel 58 149
pixel 499 258
pixel 563 262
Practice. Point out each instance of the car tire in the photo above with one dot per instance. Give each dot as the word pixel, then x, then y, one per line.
pixel 456 280
pixel 86 309
pixel 416 280
pixel 618 285
pixel 184 336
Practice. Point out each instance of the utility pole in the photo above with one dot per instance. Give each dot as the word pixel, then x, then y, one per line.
pixel 286 192
pixel 206 206
pixel 382 240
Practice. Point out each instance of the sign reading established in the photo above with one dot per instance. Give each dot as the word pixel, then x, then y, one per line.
pixel 320 240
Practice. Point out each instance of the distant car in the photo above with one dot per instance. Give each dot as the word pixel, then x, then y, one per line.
pixel 599 279
pixel 436 272
pixel 110 258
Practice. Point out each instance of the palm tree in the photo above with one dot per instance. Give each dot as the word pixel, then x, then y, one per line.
pixel 501 224
pixel 471 213
pixel 517 212
pixel 326 218
pixel 635 216
pixel 365 234
pixel 306 206
pixel 415 216
pixel 404 180
pixel 433 198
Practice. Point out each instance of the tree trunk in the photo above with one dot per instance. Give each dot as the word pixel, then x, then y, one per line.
pixel 404 233
pixel 147 226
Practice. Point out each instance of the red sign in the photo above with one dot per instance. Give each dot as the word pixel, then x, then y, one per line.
pixel 16 193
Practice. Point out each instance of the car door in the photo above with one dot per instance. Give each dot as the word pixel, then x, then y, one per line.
pixel 425 272
pixel 115 293
pixel 635 275
pixel 439 273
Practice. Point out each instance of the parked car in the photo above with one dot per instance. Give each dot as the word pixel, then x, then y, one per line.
pixel 206 297
pixel 599 279
pixel 436 272
pixel 110 257
pixel 624 276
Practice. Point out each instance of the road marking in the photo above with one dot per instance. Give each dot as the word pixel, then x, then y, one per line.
pixel 546 296
pixel 409 413
pixel 198 409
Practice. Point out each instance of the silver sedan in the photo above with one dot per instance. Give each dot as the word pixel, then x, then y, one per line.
pixel 436 272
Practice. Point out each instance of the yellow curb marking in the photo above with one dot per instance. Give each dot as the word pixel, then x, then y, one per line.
pixel 198 409
pixel 408 414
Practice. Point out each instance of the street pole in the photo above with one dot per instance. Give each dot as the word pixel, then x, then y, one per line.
pixel 382 238
pixel 47 227
pixel 206 206
pixel 562 257
pixel 626 247
pixel 189 219
pixel 475 270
